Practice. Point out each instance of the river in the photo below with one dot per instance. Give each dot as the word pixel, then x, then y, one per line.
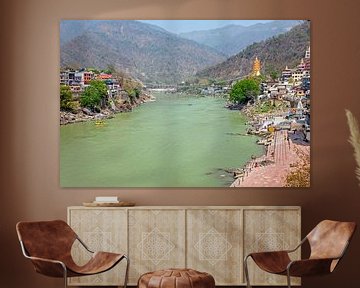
pixel 176 141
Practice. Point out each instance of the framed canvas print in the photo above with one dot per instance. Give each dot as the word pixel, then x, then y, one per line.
pixel 185 103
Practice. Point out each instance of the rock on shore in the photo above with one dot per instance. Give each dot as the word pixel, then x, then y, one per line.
pixel 85 114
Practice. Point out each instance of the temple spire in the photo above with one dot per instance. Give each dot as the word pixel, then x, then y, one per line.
pixel 256 67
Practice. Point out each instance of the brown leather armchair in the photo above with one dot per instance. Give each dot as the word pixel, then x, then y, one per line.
pixel 48 245
pixel 328 242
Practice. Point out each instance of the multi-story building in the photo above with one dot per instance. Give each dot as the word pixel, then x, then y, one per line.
pixel 306 83
pixel 83 77
pixel 88 76
pixel 286 74
pixel 306 73
pixel 64 78
pixel 307 53
pixel 297 75
pixel 71 77
pixel 67 77
pixel 113 87
pixel 79 78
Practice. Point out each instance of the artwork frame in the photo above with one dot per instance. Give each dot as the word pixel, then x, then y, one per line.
pixel 116 93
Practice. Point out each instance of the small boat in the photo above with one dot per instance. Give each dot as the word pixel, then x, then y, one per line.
pixel 100 122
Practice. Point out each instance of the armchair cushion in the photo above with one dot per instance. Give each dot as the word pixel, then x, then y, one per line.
pixel 272 262
pixel 99 262
pixel 310 267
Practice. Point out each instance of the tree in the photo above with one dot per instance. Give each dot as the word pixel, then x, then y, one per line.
pixel 90 98
pixel 66 98
pixel 100 87
pixel 94 95
pixel 244 90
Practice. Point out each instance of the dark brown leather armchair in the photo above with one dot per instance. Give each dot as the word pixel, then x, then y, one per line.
pixel 48 245
pixel 328 242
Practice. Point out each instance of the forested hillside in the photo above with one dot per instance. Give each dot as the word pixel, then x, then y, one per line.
pixel 145 51
pixel 275 53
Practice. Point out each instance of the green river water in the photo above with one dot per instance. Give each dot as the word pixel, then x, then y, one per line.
pixel 176 141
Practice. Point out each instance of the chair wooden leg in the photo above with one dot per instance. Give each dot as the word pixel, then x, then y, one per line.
pixel 246 271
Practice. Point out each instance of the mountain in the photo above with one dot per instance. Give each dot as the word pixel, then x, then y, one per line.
pixel 231 39
pixel 275 53
pixel 145 51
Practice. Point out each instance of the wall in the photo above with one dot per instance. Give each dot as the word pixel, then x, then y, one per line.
pixel 30 135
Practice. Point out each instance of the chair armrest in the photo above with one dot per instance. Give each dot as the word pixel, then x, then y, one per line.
pixel 309 267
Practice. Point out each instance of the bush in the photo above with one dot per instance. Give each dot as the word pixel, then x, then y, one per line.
pixel 265 107
pixel 66 98
pixel 300 175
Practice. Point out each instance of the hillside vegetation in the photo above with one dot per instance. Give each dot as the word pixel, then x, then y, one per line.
pixel 231 39
pixel 274 53
pixel 145 51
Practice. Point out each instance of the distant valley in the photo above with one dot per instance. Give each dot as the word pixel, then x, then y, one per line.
pixel 231 39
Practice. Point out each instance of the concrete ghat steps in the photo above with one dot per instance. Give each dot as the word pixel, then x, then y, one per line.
pixel 272 175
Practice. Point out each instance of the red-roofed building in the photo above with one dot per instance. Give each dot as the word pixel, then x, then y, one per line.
pixel 104 76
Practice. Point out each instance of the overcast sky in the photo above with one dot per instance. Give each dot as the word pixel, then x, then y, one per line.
pixel 180 26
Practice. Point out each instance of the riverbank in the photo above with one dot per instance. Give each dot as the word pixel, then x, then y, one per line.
pixel 84 114
pixel 283 156
pixel 285 153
